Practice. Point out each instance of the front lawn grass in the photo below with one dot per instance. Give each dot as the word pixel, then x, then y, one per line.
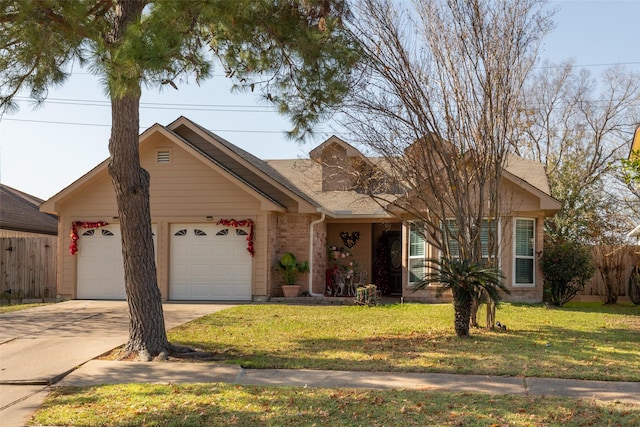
pixel 584 341
pixel 229 405
pixel 588 341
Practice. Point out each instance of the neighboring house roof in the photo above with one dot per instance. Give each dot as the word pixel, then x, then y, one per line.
pixel 19 212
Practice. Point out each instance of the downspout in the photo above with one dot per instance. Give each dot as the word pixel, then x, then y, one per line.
pixel 318 221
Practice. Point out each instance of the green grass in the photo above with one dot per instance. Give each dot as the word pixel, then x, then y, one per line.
pixel 584 341
pixel 229 405
pixel 588 341
pixel 16 307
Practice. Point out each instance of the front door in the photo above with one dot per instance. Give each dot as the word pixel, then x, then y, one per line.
pixel 395 262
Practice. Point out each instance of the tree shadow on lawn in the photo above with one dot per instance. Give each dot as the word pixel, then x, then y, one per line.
pixel 624 308
pixel 548 351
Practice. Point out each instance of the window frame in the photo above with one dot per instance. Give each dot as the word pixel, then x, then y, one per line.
pixel 410 257
pixel 516 257
pixel 496 223
pixel 427 250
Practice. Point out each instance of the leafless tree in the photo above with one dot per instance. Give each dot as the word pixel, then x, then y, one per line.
pixel 439 102
pixel 580 128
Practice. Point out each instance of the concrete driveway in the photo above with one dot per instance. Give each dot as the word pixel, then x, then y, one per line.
pixel 42 344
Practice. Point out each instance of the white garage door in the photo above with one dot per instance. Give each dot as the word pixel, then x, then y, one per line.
pixel 209 262
pixel 100 267
pixel 100 271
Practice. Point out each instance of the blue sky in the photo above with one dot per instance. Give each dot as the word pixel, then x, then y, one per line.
pixel 44 150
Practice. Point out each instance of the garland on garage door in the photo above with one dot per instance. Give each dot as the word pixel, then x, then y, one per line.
pixel 241 223
pixel 73 247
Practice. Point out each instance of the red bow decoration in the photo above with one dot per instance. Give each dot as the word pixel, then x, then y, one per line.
pixel 73 247
pixel 241 223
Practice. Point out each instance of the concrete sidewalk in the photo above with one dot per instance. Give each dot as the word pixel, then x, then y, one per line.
pixel 108 372
pixel 40 345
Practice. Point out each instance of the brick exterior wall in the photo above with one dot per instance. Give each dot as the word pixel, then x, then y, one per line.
pixel 319 257
pixel 291 235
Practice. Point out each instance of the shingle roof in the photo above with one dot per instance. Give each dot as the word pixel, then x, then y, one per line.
pixel 219 156
pixel 307 176
pixel 19 212
pixel 530 171
pixel 289 182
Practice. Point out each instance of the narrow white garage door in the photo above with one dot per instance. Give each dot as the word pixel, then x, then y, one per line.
pixel 100 270
pixel 100 267
pixel 209 262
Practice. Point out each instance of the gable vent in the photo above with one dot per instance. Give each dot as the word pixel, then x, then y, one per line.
pixel 164 157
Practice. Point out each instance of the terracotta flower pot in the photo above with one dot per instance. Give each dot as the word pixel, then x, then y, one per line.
pixel 290 290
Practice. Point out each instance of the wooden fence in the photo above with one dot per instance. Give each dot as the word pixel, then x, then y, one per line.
pixel 614 264
pixel 27 268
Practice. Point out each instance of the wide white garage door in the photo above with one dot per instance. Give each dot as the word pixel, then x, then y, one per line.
pixel 100 266
pixel 209 262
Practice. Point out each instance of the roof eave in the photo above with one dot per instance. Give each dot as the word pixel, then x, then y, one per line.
pixel 547 202
pixel 338 215
pixel 267 202
pixel 304 206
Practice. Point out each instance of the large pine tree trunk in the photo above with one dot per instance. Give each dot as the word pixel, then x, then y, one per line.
pixel 147 335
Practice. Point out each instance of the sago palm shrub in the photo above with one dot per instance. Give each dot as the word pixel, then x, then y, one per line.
pixel 464 279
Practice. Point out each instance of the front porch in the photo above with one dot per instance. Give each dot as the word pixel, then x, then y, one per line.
pixel 363 253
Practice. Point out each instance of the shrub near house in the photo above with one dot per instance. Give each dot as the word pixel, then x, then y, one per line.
pixel 566 266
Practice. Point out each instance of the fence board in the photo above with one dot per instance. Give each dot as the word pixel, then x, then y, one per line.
pixel 28 267
pixel 630 257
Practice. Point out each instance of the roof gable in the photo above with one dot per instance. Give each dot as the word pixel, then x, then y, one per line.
pixel 350 150
pixel 307 174
pixel 238 165
pixel 247 168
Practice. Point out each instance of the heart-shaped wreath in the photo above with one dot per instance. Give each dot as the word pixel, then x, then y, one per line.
pixel 350 240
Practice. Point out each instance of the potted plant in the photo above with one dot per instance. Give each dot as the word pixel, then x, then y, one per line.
pixel 290 269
